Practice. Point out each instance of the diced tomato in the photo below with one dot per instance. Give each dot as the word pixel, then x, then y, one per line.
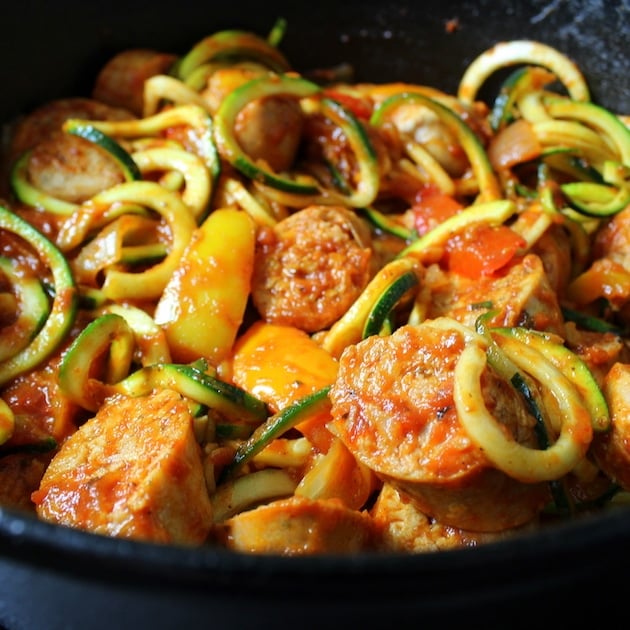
pixel 482 250
pixel 359 107
pixel 431 208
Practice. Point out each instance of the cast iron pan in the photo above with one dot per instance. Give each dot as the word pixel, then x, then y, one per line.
pixel 51 577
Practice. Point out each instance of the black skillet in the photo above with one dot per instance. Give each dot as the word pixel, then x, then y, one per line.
pixel 569 575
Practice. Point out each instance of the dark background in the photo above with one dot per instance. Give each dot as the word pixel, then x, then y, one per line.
pixel 54 49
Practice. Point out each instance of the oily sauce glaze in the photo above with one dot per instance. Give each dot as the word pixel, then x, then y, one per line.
pixel 381 235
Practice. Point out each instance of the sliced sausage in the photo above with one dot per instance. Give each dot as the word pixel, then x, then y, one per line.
pixel 134 471
pixel 393 406
pixel 300 526
pixel 311 267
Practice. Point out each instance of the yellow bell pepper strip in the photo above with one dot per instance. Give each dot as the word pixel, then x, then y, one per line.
pixel 204 301
pixel 514 52
pixel 280 365
pixel 225 118
pixel 149 284
pixel 64 306
pixel 231 44
pixel 489 188
pixel 32 308
pixel 31 196
pixel 107 340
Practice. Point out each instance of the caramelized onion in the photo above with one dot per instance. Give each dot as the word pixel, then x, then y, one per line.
pixel 513 145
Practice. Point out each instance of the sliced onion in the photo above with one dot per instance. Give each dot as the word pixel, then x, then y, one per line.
pixel 514 144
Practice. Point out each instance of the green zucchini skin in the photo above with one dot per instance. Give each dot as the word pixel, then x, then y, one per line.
pixel 519 81
pixel 367 189
pixel 108 334
pixel 33 309
pixel 489 188
pixel 233 44
pixel 225 119
pixel 64 306
pixel 385 224
pixel 589 322
pixel 92 134
pixel 381 310
pixel 572 366
pixel 610 192
pixel 594 199
pixel 275 426
pixel 561 501
pixel 31 196
pixel 229 400
pixel 194 116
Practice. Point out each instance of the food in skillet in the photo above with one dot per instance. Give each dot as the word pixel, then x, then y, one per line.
pixel 245 308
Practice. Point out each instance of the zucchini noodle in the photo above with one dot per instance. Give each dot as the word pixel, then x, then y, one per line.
pixel 523 463
pixel 62 311
pixel 109 333
pixel 32 310
pixel 32 196
pixel 7 422
pixel 197 182
pixel 522 51
pixel 150 283
pixel 488 186
pixel 160 88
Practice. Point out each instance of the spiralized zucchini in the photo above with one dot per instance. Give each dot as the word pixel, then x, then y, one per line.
pixel 526 464
pixel 484 247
